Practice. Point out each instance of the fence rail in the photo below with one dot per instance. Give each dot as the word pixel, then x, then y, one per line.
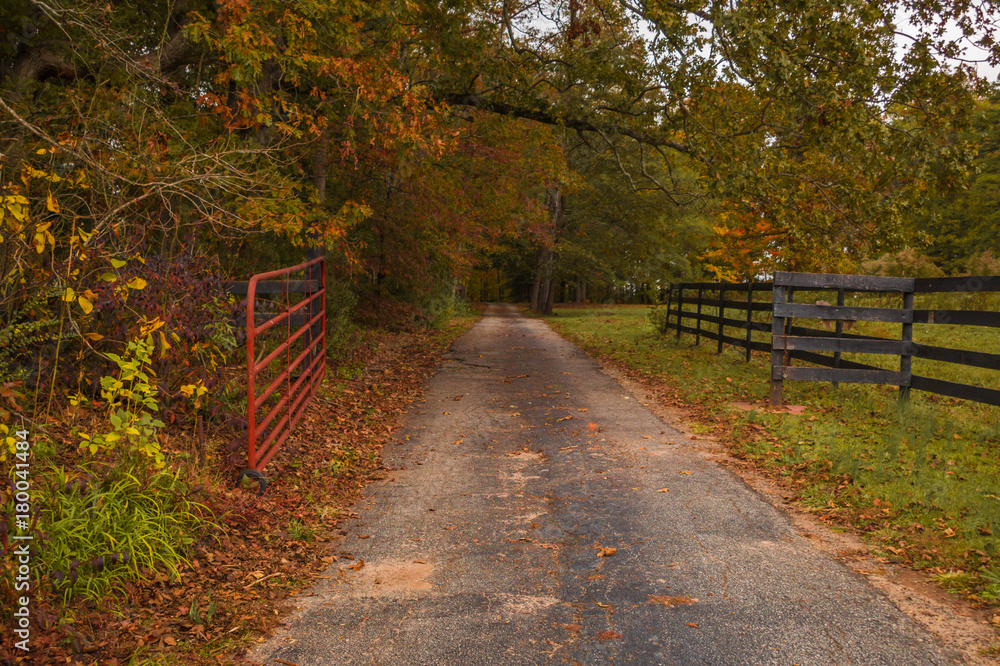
pixel 824 347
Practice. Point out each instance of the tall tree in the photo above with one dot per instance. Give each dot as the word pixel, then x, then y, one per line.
pixel 823 112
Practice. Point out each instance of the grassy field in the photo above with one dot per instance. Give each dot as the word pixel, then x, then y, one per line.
pixel 921 481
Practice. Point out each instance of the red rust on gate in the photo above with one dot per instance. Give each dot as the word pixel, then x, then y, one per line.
pixel 307 319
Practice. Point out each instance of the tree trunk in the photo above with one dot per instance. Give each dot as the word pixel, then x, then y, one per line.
pixel 551 296
pixel 537 284
pixel 543 290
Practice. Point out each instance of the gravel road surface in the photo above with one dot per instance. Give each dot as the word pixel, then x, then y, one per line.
pixel 539 514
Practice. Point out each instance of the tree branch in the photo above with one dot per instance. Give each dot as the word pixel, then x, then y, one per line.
pixel 549 118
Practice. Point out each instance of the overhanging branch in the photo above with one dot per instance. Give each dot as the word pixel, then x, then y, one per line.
pixel 577 124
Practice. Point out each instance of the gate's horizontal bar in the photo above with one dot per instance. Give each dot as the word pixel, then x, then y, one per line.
pixel 273 287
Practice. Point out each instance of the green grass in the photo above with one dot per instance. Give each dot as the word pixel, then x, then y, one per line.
pixel 922 480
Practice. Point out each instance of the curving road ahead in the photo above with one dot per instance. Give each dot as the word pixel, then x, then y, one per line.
pixel 523 467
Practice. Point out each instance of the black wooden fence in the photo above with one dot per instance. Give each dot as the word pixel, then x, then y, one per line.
pixel 775 302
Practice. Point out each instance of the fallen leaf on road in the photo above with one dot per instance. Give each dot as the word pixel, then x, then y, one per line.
pixel 583 409
pixel 663 490
pixel 685 472
pixel 604 605
pixel 692 624
pixel 565 418
pixel 450 527
pixel 365 536
pixel 606 552
pixel 592 426
pixel 668 601
pixel 357 567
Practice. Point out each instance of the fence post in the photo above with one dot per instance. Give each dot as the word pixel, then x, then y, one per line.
pixel 777 355
pixel 680 308
pixel 749 318
pixel 722 314
pixel 697 320
pixel 790 296
pixel 666 320
pixel 839 332
pixel 905 360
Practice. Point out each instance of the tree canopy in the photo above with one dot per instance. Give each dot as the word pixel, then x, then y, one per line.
pixel 403 137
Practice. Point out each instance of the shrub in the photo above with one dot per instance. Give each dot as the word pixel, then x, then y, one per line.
pixel 907 263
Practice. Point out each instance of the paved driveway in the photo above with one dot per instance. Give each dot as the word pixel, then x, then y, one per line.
pixel 525 465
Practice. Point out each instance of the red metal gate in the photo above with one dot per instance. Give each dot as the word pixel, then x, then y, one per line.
pixel 286 354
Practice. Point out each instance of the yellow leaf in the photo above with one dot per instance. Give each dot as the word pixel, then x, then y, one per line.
pixel 93 336
pixel 69 295
pixel 41 151
pixel 19 212
pixel 136 283
pixel 52 204
pixel 164 345
pixel 117 263
pixel 85 304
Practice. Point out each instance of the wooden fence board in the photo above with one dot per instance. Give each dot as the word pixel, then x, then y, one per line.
pixel 833 313
pixel 957 317
pixel 830 361
pixel 959 356
pixel 849 282
pixel 955 390
pixel 844 375
pixel 972 284
pixel 823 333
pixel 848 346
pixel 756 306
pixel 740 342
